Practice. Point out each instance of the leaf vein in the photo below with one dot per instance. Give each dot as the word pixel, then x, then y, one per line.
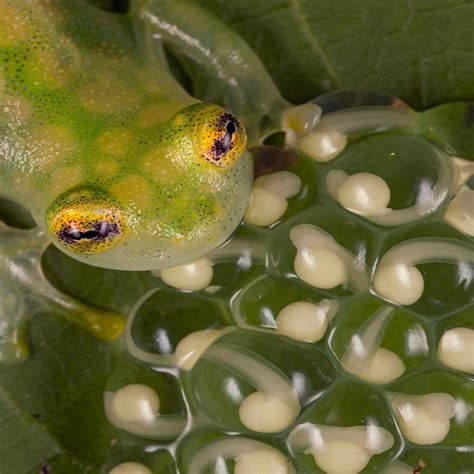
pixel 314 42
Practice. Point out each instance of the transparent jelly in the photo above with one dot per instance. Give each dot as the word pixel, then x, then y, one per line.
pixel 333 333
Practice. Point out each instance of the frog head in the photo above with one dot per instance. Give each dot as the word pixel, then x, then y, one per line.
pixel 174 192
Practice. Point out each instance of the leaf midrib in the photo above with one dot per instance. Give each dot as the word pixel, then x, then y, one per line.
pixel 295 5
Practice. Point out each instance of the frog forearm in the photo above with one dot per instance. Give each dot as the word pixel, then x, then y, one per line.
pixel 234 75
pixel 25 291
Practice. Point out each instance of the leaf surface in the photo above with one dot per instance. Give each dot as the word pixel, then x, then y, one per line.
pixel 418 50
pixel 51 405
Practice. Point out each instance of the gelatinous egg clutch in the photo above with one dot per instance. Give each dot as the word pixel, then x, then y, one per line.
pixel 333 333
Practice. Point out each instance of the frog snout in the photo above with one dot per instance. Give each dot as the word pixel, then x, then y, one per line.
pixel 86 225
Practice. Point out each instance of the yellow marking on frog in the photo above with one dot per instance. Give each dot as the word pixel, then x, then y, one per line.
pixel 151 86
pixel 64 179
pixel 106 168
pixel 162 170
pixel 114 142
pixel 150 83
pixel 52 143
pixel 46 67
pixel 108 95
pixel 150 115
pixel 178 240
pixel 54 15
pixel 135 190
pixel 178 120
pixel 16 109
pixel 14 25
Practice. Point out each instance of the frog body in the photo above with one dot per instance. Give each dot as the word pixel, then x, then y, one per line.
pixel 114 160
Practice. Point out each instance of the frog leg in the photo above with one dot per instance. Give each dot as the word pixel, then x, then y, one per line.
pixel 24 291
pixel 224 68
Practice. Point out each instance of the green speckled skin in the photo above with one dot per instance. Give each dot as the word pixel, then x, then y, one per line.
pixel 95 129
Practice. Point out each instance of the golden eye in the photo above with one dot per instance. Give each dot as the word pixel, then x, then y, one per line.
pixel 223 139
pixel 86 227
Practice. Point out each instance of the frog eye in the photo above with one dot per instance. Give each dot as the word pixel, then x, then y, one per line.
pixel 87 227
pixel 222 140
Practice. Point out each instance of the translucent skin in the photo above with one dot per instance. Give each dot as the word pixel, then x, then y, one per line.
pixel 114 160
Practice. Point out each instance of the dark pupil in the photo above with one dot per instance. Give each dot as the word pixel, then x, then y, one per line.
pixel 229 131
pixel 100 230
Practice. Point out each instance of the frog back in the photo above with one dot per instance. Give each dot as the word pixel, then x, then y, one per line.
pixel 80 103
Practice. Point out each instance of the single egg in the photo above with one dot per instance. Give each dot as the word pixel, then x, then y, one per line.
pixel 342 457
pixel 304 321
pixel 262 461
pixel 385 367
pixel 460 212
pixel 193 276
pixel 268 201
pixel 456 349
pixel 136 403
pixel 265 413
pixel 320 267
pixel 402 284
pixel 322 146
pixel 364 193
pixel 265 208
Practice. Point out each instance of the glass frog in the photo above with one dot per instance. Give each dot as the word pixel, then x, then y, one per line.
pixel 311 305
pixel 116 162
pixel 118 165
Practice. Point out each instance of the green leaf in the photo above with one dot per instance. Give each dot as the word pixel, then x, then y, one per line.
pixel 107 289
pixel 419 51
pixel 51 405
pixel 452 127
